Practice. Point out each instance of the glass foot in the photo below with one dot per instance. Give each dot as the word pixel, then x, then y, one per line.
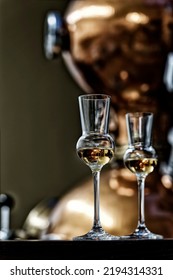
pixel 96 235
pixel 142 233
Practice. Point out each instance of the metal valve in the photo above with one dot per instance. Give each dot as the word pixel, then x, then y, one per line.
pixel 56 36
pixel 6 203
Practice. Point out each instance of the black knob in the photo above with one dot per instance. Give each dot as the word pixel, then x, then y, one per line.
pixel 6 200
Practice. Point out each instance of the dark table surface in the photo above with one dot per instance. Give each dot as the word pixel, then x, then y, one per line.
pixel 87 250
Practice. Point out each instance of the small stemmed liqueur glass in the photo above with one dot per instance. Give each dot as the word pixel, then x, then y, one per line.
pixel 141 159
pixel 95 148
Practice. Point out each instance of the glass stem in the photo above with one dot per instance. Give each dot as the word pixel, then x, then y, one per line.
pixel 141 208
pixel 96 179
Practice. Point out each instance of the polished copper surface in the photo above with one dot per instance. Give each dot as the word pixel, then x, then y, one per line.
pixel 122 48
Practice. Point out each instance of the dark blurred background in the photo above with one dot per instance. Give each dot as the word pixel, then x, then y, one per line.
pixel 39 118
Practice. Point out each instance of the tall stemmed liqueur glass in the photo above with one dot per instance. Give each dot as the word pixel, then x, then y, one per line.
pixel 95 148
pixel 141 159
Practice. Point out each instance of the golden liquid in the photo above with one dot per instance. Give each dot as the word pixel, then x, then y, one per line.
pixel 95 156
pixel 142 166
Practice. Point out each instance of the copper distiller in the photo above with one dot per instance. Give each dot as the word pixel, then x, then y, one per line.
pixel 124 49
